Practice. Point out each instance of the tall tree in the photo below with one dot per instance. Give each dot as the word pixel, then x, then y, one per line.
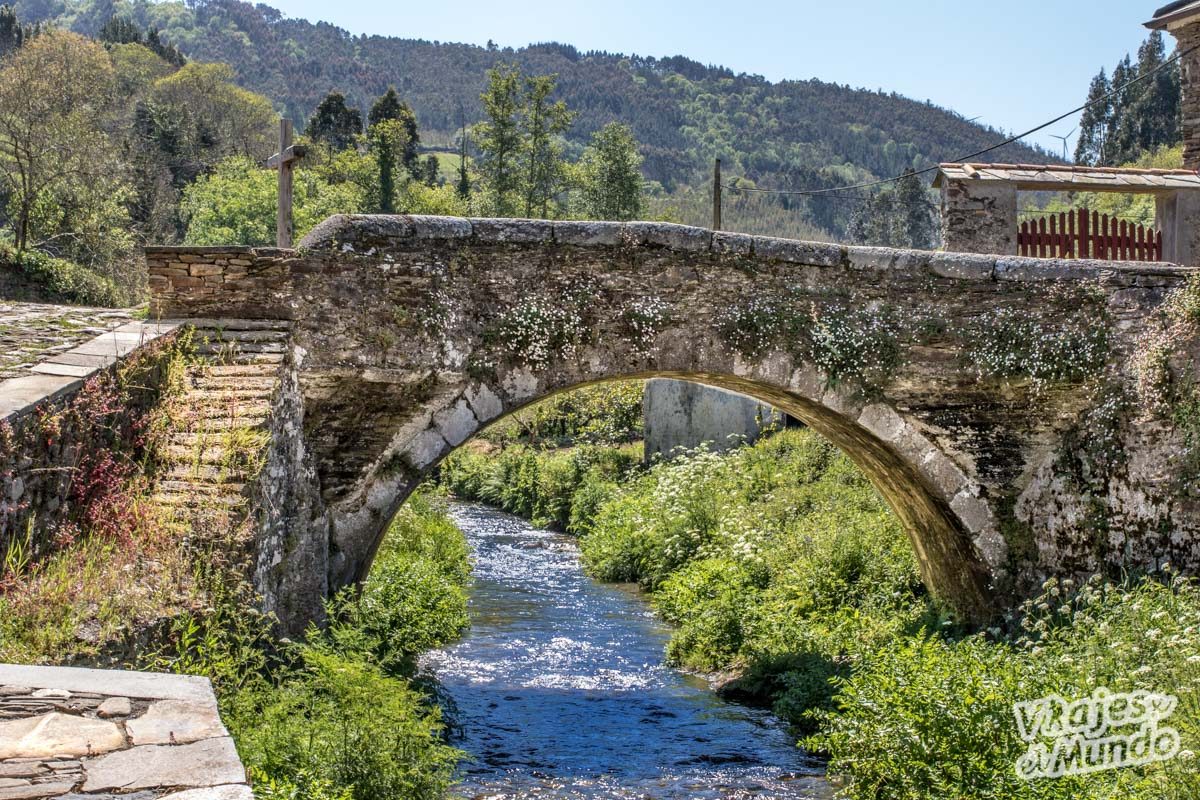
pixel 1095 123
pixel 12 33
pixel 431 170
pixel 334 123
pixel 542 123
pixel 499 141
pixel 611 175
pixel 388 139
pixel 389 106
pixel 54 95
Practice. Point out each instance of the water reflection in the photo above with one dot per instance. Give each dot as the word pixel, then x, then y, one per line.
pixel 559 689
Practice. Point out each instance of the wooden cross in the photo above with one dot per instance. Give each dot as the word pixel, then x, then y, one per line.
pixel 285 161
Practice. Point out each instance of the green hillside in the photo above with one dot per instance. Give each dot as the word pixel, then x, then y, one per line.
pixel 786 135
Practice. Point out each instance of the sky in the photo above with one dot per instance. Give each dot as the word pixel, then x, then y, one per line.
pixel 1014 64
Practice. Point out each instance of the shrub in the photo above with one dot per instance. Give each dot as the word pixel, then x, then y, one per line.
pixel 934 717
pixel 415 598
pixel 341 725
pixel 65 280
pixel 708 600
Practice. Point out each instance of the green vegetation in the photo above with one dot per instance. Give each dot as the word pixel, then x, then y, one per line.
pixel 790 135
pixel 62 280
pixel 780 564
pixel 338 715
pixel 1137 120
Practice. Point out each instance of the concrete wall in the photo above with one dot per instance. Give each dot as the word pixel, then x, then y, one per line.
pixel 680 415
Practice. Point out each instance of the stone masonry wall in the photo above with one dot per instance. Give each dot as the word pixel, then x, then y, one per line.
pixel 969 388
pixel 62 459
pixel 1188 37
pixel 979 218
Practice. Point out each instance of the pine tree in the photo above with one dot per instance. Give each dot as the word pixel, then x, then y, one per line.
pixel 611 175
pixel 1094 126
pixel 335 123
pixel 12 33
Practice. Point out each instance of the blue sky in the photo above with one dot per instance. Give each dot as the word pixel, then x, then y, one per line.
pixel 1014 64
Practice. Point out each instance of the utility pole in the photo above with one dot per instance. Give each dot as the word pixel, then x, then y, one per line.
pixel 716 226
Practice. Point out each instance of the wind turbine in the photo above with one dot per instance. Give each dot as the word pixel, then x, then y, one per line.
pixel 1064 140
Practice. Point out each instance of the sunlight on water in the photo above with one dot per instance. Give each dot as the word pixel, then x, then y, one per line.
pixel 559 690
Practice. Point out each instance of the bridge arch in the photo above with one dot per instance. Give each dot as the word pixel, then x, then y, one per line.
pixel 932 497
pixel 967 387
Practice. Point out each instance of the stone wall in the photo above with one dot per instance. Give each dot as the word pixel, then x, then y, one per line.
pixel 680 416
pixel 968 388
pixel 238 282
pixel 1188 37
pixel 979 218
pixel 63 458
pixel 82 734
pixel 16 285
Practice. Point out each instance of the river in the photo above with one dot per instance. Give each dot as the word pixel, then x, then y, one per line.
pixel 559 689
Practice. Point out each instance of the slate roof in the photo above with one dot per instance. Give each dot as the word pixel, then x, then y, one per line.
pixel 1044 177
pixel 1180 9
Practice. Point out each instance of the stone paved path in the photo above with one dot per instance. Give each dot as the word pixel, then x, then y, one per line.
pixel 32 332
pixel 82 734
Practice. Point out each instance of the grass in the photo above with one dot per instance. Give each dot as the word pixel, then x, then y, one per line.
pixel 82 602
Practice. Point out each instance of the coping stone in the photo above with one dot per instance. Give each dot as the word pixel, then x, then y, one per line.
pixel 116 683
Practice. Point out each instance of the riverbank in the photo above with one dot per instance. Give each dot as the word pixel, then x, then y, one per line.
pixel 780 562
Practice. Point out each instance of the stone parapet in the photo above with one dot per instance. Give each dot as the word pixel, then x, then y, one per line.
pixel 85 733
pixel 257 283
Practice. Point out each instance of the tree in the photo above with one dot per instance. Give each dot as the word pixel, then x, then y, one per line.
pixel 334 123
pixel 388 139
pixel 900 215
pixel 498 138
pixel 463 187
pixel 431 170
pixel 542 122
pixel 1141 114
pixel 391 107
pixel 237 202
pixel 1095 124
pixel 200 116
pixel 54 96
pixel 12 33
pixel 611 175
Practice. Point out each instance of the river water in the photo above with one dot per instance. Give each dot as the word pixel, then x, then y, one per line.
pixel 559 689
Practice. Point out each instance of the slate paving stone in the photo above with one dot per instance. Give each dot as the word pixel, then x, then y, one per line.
pixel 30 332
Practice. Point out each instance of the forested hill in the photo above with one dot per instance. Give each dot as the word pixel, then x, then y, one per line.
pixel 792 134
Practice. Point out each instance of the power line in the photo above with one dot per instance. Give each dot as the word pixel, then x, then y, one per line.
pixel 871 184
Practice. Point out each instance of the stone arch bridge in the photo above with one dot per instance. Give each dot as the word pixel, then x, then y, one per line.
pixel 991 400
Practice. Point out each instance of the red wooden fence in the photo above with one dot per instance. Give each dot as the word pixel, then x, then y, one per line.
pixel 1089 234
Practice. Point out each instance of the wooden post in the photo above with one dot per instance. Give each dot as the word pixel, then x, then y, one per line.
pixel 717 196
pixel 285 161
pixel 283 219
